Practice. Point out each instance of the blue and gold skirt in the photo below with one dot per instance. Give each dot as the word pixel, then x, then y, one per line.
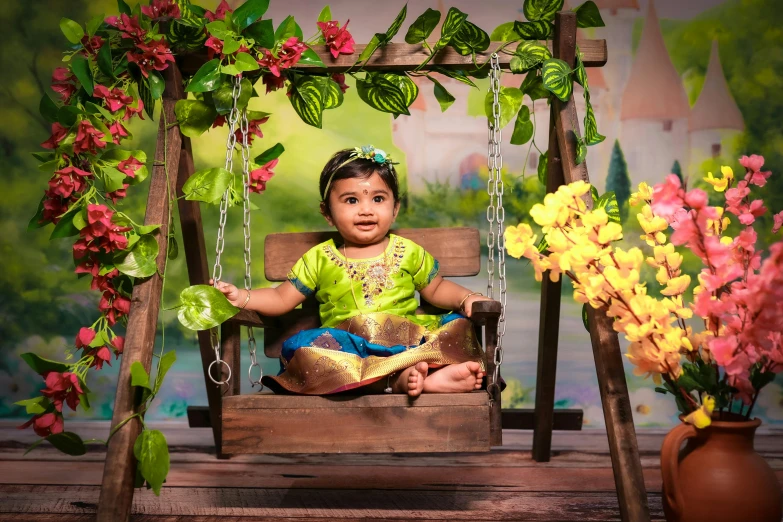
pixel 367 348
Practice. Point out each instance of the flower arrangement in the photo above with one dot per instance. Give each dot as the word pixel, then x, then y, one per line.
pixel 737 347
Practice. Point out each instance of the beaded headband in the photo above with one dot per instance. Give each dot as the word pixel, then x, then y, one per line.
pixel 366 152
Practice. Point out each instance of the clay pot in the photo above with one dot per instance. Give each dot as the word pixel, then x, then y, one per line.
pixel 718 476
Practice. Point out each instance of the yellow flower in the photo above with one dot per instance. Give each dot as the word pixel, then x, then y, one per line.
pixel 644 194
pixel 519 240
pixel 727 172
pixel 610 232
pixel 595 218
pixel 720 184
pixel 676 285
pixel 702 417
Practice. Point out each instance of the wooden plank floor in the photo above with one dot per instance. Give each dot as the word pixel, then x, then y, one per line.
pixel 505 484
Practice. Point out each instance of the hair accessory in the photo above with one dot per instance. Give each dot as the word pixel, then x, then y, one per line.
pixel 369 152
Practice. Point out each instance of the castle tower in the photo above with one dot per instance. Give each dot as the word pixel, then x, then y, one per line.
pixel 654 110
pixel 715 120
pixel 619 16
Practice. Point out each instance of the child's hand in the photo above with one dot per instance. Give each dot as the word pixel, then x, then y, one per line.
pixel 467 307
pixel 232 293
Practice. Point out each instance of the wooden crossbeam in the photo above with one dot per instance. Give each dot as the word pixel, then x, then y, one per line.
pixel 406 57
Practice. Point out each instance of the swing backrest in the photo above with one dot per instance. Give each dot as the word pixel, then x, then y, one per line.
pixel 457 249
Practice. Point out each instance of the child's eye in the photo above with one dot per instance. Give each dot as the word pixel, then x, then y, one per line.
pixel 351 201
pixel 378 199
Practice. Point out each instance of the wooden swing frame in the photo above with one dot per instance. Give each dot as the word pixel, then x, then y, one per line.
pixel 174 156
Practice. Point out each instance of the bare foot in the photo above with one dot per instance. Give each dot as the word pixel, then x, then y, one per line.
pixel 411 380
pixel 455 378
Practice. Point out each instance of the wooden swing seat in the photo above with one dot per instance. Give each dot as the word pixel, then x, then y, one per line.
pixel 382 423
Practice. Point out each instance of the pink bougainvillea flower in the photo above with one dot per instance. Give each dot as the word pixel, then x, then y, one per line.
pixel 130 166
pixel 58 133
pixel 67 181
pixel 337 38
pixel 128 26
pixel 220 120
pixel 253 129
pixel 260 176
pixel 220 12
pixel 88 138
pixel 114 306
pixel 118 194
pixel 668 197
pixel 118 343
pixel 161 10
pixel 339 78
pixel 62 387
pixel 88 265
pixel 91 45
pixel 155 55
pixel 290 52
pixel 63 83
pixel 104 282
pixel 214 45
pixel 118 132
pixel 45 424
pixel 778 220
pixel 53 208
pixel 270 62
pixel 137 110
pixel 273 82
pixel 84 337
pixel 100 355
pixel 115 99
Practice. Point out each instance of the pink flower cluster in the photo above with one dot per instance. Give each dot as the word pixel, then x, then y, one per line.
pixel 160 10
pixel 60 387
pixel 287 56
pixel 260 176
pixel 337 38
pixel 220 12
pixel 741 299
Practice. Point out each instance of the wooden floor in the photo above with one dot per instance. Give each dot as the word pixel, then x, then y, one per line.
pixel 505 484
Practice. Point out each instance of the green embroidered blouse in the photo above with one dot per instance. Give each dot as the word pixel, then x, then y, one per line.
pixel 384 283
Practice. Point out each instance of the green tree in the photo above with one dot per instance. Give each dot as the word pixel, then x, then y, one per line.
pixel 676 169
pixel 618 180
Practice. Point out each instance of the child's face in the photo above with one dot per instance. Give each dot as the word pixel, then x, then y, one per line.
pixel 362 209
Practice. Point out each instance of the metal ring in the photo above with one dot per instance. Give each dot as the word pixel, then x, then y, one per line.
pixel 250 376
pixel 209 373
pixel 490 388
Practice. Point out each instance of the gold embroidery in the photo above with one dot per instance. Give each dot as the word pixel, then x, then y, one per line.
pixel 327 341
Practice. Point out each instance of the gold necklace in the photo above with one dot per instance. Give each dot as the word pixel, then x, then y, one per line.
pixel 349 266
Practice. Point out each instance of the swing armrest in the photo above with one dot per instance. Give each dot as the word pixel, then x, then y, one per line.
pixel 254 319
pixel 485 312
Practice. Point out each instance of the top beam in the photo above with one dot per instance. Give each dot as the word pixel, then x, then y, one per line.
pixel 406 57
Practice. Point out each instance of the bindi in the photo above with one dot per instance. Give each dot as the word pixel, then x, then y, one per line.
pixel 366 192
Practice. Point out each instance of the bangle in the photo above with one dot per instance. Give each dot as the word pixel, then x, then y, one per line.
pixel 462 303
pixel 247 299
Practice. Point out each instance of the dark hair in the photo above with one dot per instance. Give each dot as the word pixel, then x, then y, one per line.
pixel 338 167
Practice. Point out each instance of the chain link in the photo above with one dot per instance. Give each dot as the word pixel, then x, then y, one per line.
pixel 496 215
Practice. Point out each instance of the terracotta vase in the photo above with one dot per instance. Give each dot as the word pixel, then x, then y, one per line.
pixel 718 476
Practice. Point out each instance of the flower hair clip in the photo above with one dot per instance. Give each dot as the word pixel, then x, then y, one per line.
pixel 371 153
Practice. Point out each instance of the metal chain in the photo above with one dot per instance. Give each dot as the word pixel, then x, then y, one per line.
pixel 496 214
pixel 217 269
pixel 251 340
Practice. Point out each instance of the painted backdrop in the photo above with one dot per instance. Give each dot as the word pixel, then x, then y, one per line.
pixel 689 85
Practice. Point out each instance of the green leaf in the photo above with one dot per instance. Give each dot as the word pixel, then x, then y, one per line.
pixel 48 109
pixel 68 115
pixel 139 376
pixel 219 30
pixel 396 24
pixel 244 62
pixel 223 98
pixel 68 442
pixel 534 30
pixel 325 15
pixel 140 261
pixel 152 454
pixel 585 320
pixel 310 57
pixel 34 222
pixel 81 69
pixel 470 39
pixel 523 127
pixel 78 219
pixel 115 156
pixel 230 45
pixel 156 84
pixel 423 26
pixel 535 10
pixel 263 33
pixel 94 24
pixel 542 168
pixel 332 95
pixel 147 229
pixel 168 359
pixel 112 178
pixel 373 44
pixel 455 74
pixel 534 87
pixel 41 365
pixel 588 15
pixel 661 390
pixel 207 185
pixel 608 202
pixel 33 406
pixel 105 60
pixel 581 150
pixel 407 87
pixel 287 29
pixel 307 99
pixel 451 26
pixel 510 99
pixel 194 116
pixel 94 108
pixel 145 95
pixel 528 54
pixel 204 307
pixel 444 97
pixel 73 32
pixel 173 250
pixel 123 8
pixel 504 33
pixel 592 137
pixel 207 78
pixel 556 78
pixel 65 227
pixel 269 154
pixel 249 12
pixel 382 94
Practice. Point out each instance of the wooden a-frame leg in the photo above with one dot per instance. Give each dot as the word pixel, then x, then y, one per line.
pixel 119 471
pixel 230 345
pixel 495 406
pixel 548 327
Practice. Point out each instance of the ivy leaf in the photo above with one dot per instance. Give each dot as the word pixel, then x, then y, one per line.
pixel 423 26
pixel 73 31
pixel 156 84
pixel 592 137
pixel 287 29
pixel 81 69
pixel 204 307
pixel 470 39
pixel 396 24
pixel 219 30
pixel 523 127
pixel 195 117
pixel 455 74
pixel 139 376
pixel 534 30
pixel 556 78
pixel 263 33
pixel 588 15
pixel 140 261
pixel 504 33
pixel 307 100
pixel 528 54
pixel 249 12
pixel 48 109
pixel 223 98
pixel 269 154
pixel 325 15
pixel 534 87
pixel 444 97
pixel 381 94
pixel 608 202
pixel 510 99
pixel 451 26
pixel 207 78
pixel 152 454
pixel 207 185
pixel 244 63
pixel 332 96
pixel 145 95
pixel 536 10
pixel 310 57
pixel 581 150
pixel 542 168
pixel 68 442
pixel 407 87
pixel 40 365
pixel 168 359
